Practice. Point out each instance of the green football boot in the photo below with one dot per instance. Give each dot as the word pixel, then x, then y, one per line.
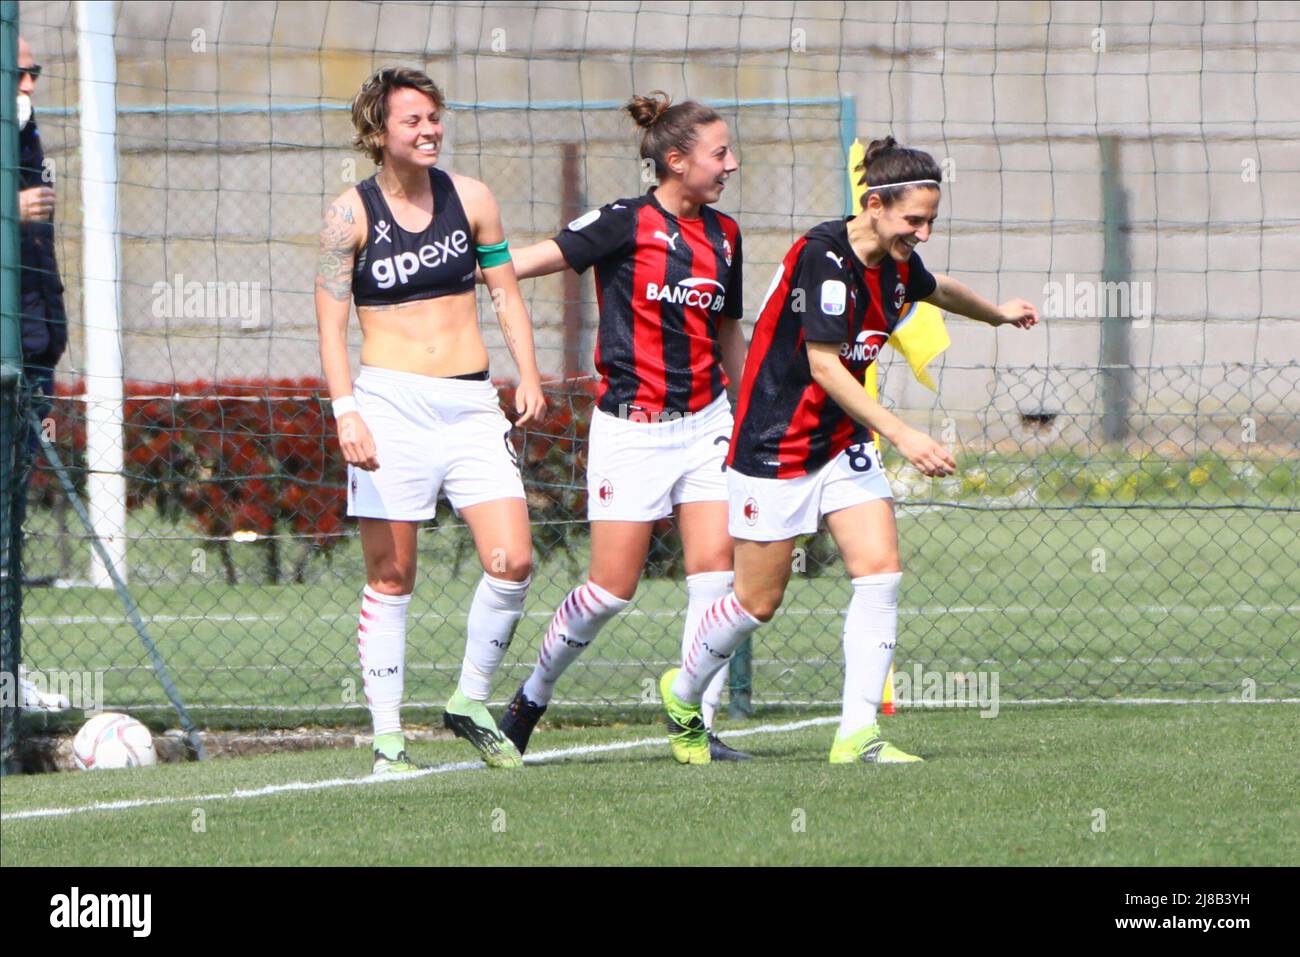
pixel 391 757
pixel 687 735
pixel 471 720
pixel 866 746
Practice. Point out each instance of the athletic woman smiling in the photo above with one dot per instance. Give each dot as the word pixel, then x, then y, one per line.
pixel 423 415
pixel 802 446
pixel 668 278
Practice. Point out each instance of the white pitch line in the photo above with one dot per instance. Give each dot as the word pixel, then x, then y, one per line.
pixel 1141 701
pixel 1033 702
pixel 300 786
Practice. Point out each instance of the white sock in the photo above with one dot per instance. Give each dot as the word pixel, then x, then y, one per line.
pixel 723 627
pixel 493 615
pixel 870 631
pixel 702 590
pixel 577 621
pixel 381 645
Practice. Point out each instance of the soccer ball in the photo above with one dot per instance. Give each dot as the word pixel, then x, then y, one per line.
pixel 113 741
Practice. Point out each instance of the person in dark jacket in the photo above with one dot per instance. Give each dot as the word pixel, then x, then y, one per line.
pixel 45 323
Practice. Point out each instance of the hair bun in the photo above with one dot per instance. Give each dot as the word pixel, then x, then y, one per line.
pixel 890 169
pixel 646 110
pixel 879 146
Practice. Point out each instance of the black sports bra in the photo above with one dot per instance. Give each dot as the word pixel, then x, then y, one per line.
pixel 399 266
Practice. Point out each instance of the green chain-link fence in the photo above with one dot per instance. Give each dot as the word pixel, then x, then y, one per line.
pixel 1118 528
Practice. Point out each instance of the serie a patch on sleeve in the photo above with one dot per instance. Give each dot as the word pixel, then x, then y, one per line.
pixel 834 294
pixel 586 219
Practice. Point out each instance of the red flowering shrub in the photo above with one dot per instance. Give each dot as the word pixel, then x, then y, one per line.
pixel 262 456
pixel 244 456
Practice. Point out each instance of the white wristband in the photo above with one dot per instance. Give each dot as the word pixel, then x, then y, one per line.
pixel 343 405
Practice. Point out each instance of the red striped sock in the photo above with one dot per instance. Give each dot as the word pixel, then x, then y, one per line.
pixel 381 646
pixel 724 626
pixel 577 621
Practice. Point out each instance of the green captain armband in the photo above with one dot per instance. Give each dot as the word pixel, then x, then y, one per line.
pixel 494 255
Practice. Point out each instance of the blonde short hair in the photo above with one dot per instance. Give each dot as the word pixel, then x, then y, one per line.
pixel 370 105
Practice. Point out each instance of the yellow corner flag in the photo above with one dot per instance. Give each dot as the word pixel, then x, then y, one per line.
pixel 921 337
pixel 857 153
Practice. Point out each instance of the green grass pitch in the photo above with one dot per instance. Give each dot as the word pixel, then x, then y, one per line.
pixel 1080 784
pixel 1079 604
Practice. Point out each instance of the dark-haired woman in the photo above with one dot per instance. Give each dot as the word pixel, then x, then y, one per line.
pixel 668 279
pixel 802 446
pixel 423 417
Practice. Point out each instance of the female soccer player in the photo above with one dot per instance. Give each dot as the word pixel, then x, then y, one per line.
pixel 668 277
pixel 423 414
pixel 802 446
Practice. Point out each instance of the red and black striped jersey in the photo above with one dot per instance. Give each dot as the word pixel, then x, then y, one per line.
pixel 661 284
pixel 786 424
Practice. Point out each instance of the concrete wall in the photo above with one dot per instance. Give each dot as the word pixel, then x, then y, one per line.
pixel 1013 96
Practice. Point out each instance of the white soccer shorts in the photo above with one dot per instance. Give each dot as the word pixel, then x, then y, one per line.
pixel 431 435
pixel 775 510
pixel 637 471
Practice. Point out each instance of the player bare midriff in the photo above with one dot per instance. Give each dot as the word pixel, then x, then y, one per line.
pixel 433 337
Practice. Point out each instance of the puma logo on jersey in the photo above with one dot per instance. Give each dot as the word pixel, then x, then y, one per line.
pixel 670 240
pixel 381 232
pixel 617 206
pixel 838 260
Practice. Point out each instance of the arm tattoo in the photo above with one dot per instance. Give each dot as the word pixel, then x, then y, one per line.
pixel 507 333
pixel 334 270
pixel 509 336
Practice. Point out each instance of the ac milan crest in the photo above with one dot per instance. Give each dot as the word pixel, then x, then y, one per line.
pixel 606 492
pixel 726 249
pixel 751 511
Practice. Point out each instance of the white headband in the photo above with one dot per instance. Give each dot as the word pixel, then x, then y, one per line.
pixel 910 182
